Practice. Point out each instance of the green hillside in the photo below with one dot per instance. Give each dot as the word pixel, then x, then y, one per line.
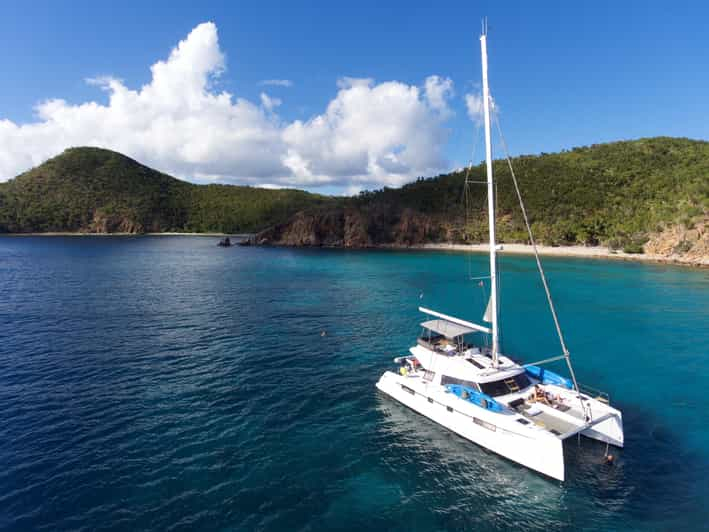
pixel 97 190
pixel 615 194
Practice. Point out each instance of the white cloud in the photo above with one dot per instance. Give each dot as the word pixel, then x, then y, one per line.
pixel 269 103
pixel 103 82
pixel 438 90
pixel 348 83
pixel 277 82
pixel 474 104
pixel 369 135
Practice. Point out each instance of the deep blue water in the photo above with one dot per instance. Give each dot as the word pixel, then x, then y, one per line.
pixel 166 383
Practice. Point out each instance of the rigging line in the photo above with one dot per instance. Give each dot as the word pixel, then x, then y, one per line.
pixel 539 263
pixel 485 302
pixel 467 203
pixel 466 221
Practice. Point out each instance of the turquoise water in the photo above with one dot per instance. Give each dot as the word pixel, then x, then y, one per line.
pixel 167 383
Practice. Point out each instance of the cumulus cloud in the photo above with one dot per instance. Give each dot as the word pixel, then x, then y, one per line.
pixel 474 104
pixel 277 82
pixel 370 134
pixel 438 91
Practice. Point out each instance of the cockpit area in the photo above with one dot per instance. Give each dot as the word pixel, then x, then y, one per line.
pixel 445 337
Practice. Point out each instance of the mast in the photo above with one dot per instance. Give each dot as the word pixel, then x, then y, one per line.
pixel 490 202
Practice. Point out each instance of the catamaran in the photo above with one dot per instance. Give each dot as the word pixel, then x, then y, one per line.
pixel 457 376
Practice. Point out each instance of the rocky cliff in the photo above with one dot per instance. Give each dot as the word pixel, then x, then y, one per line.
pixel 351 227
pixel 678 242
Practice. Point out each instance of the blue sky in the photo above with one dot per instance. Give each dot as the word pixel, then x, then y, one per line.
pixel 563 74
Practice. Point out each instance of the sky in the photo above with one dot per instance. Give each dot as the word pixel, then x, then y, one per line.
pixel 336 98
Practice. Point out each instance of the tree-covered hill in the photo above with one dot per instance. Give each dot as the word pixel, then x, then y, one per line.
pixel 97 190
pixel 615 194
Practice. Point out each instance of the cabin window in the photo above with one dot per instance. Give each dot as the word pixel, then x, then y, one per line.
pixel 485 424
pixel 449 408
pixel 476 363
pixel 430 400
pixel 428 375
pixel 505 386
pixel 407 389
pixel 445 379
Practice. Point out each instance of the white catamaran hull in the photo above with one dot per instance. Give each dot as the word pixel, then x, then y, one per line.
pixel 523 413
pixel 535 449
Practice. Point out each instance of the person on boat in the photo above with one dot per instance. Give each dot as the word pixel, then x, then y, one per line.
pixel 539 395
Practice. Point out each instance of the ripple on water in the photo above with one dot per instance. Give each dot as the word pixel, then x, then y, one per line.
pixel 169 384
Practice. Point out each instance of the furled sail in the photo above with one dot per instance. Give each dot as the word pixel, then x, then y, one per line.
pixel 488 311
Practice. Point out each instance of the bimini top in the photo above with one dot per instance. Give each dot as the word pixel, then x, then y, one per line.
pixel 447 328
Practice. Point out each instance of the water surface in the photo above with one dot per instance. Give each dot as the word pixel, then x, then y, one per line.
pixel 166 383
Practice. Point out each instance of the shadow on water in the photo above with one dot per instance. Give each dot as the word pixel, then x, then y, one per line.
pixel 653 482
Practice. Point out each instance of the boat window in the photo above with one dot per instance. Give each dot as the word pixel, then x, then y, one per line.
pixel 488 426
pixel 431 338
pixel 428 375
pixel 475 363
pixel 505 386
pixel 445 379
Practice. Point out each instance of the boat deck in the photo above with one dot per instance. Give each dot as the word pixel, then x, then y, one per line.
pixel 544 417
pixel 552 424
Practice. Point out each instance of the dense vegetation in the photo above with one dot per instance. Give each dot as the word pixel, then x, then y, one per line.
pixel 612 194
pixel 91 189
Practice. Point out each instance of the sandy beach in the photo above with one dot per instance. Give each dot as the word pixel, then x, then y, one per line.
pixel 590 252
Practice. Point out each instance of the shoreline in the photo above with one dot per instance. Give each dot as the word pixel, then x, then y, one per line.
pixel 77 234
pixel 584 252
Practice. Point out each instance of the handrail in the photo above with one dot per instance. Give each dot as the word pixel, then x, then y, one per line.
pixel 587 425
pixel 545 361
pixel 599 394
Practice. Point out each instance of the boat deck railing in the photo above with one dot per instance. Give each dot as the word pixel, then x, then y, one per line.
pixel 594 393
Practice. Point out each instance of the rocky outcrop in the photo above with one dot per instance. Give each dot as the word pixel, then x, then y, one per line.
pixel 382 226
pixel 681 243
pixel 351 227
pixel 306 229
pixel 103 222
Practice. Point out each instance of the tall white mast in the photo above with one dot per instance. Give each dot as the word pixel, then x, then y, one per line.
pixel 490 202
